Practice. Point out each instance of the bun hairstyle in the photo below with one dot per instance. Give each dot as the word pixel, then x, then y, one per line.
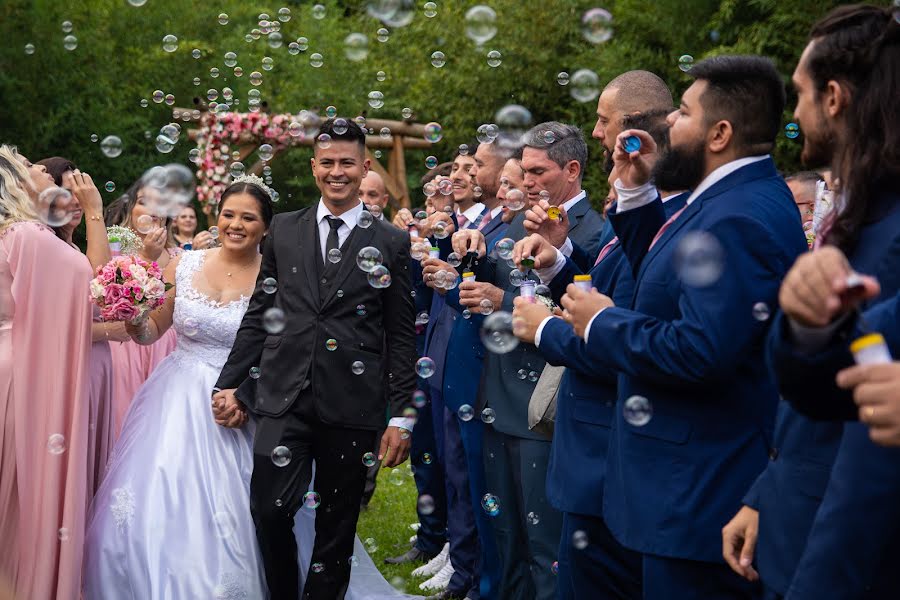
pixel 266 206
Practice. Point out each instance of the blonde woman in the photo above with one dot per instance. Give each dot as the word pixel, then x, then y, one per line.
pixel 45 340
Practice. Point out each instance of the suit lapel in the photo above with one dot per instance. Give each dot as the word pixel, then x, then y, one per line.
pixel 310 251
pixel 689 213
pixel 359 239
pixel 578 211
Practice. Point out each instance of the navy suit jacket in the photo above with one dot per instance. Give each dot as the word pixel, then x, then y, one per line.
pixel 696 354
pixel 501 388
pixel 587 392
pixel 463 372
pixel 809 507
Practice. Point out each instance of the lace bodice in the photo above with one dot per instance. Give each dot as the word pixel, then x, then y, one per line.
pixel 205 328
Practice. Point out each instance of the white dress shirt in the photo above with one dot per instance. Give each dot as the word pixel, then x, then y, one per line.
pixel 637 197
pixel 350 219
pixel 471 214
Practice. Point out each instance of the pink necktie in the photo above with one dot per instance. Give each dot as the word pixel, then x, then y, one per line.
pixel 606 250
pixel 666 225
pixel 462 220
pixel 484 221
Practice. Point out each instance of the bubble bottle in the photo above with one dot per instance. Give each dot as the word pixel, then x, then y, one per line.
pixel 583 282
pixel 870 349
pixel 468 276
pixel 434 252
pixel 413 230
pixel 526 290
pixel 115 246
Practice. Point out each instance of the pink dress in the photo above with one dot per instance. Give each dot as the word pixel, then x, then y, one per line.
pixel 45 339
pixel 132 365
pixel 102 420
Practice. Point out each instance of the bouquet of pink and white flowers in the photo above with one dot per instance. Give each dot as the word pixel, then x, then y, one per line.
pixel 127 288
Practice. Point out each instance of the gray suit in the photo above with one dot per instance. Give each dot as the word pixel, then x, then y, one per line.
pixel 515 458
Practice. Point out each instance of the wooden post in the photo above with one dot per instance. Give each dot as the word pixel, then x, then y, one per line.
pixel 399 171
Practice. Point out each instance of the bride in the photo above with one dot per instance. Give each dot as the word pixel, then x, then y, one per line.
pixel 171 519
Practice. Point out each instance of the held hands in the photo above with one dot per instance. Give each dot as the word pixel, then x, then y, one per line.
pixel 469 240
pixel 82 187
pixel 634 168
pixel 739 542
pixel 537 247
pixel 430 266
pixel 394 446
pixel 228 410
pixel 876 390
pixel 581 306
pixel 537 220
pixel 527 317
pixel 471 293
pixel 816 289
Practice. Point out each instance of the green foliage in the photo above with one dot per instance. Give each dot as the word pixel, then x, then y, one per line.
pixel 53 100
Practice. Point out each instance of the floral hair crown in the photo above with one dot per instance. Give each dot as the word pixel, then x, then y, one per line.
pixel 255 180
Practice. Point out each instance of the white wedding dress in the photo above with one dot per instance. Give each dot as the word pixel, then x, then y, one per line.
pixel 171 520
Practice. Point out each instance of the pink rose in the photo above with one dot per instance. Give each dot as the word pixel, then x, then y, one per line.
pixel 124 310
pixel 154 288
pixel 114 292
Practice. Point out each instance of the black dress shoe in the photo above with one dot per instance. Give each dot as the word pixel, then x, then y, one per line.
pixel 411 555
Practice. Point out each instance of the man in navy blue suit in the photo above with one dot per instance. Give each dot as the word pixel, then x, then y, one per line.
pixel 846 495
pixel 591 561
pixel 695 403
pixel 515 458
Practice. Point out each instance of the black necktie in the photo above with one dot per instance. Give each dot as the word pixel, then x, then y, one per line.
pixel 332 242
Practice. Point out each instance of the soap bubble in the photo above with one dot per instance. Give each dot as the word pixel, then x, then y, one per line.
pixel 494 58
pixel 513 116
pixel 685 62
pixel 488 415
pixel 406 113
pixel 223 19
pixel 792 131
pixel 380 76
pixel 481 23
pixel 382 35
pixel 761 311
pixel 56 206
pixel 699 259
pixel 497 333
pixel 284 14
pixel 368 459
pixel 318 11
pixel 434 132
pixel 637 411
pixel 311 500
pixel 532 518
pixel 419 399
pixel 111 146
pixel 56 443
pixel 584 85
pixel 454 259
pixel 29 48
pixel 267 63
pixel 596 25
pixel 357 367
pixel 255 373
pixel 274 320
pixel 256 78
pixel 425 367
pixel 368 258
pixel 429 9
pixel 170 43
pixel 438 59
pixel 331 344
pixel 376 99
pixel 562 78
pixel 70 42
pixel 110 186
pixel 397 477
pixel 580 539
pixel 491 504
pixel 266 152
pixel 269 285
pixel 316 60
pixel 281 456
pixel 516 277
pixel 505 247
pixel 356 47
pixel 425 505
pixel 466 412
pixel 379 277
pixel 323 141
pixel 431 162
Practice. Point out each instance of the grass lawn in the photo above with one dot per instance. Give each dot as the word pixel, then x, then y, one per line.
pixel 392 509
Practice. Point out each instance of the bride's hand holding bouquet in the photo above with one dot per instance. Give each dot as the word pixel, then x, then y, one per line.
pixel 127 288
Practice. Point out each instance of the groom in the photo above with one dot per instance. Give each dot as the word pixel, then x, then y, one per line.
pixel 343 360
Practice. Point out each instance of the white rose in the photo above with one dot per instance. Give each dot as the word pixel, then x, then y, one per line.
pixel 97 289
pixel 138 273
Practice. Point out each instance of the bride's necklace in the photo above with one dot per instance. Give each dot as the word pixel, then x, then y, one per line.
pixel 240 269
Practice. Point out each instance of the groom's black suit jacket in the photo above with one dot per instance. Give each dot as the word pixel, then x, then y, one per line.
pixel 324 302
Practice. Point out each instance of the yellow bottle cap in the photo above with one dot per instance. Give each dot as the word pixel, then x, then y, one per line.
pixel 582 278
pixel 867 341
pixel 468 274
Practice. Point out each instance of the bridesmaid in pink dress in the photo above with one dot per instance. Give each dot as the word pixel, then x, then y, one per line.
pixel 45 337
pixel 132 363
pixel 90 207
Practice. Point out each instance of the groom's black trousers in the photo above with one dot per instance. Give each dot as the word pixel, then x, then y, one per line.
pixel 276 493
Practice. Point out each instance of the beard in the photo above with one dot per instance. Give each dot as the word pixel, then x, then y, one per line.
pixel 818 144
pixel 608 163
pixel 680 167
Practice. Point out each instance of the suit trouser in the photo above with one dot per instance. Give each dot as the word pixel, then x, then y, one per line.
pixel 429 477
pixel 277 492
pixel 667 578
pixel 516 472
pixel 465 551
pixel 593 563
pixel 472 433
pixel 371 478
